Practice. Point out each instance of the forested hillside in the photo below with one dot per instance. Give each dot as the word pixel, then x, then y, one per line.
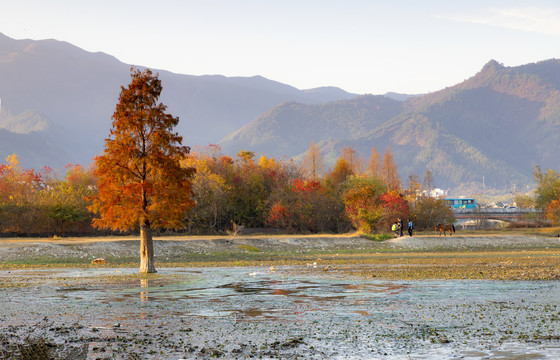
pixel 288 129
pixel 495 126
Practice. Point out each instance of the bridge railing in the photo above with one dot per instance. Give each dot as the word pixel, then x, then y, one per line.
pixel 505 214
pixel 497 211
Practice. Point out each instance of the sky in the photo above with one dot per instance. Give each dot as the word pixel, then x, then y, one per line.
pixel 363 47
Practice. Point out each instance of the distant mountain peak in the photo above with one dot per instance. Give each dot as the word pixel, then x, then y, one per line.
pixel 27 122
pixel 322 88
pixel 398 96
pixel 493 65
pixel 331 93
pixel 488 72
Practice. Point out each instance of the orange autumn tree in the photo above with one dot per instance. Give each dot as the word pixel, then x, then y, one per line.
pixel 312 163
pixel 362 202
pixel 139 177
pixel 552 212
pixel 389 172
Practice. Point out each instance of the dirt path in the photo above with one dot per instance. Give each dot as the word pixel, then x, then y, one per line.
pixel 345 240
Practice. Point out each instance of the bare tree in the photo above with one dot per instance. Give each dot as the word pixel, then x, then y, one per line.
pixel 313 165
pixel 372 168
pixel 389 172
pixel 428 181
pixel 349 155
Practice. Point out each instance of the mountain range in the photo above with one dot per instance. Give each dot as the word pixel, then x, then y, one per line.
pixel 487 132
pixel 56 102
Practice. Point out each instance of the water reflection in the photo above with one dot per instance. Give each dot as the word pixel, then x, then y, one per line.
pixel 266 297
pixel 144 283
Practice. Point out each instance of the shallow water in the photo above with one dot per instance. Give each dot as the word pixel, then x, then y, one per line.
pixel 255 312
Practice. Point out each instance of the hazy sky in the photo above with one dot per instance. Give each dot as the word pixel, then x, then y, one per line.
pixel 361 46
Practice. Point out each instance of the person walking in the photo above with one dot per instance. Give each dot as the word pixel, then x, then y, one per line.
pixel 394 229
pixel 410 227
pixel 401 225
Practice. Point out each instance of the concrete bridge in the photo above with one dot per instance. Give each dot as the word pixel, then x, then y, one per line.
pixel 466 216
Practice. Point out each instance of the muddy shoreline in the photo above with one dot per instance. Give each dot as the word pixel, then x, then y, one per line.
pixel 169 248
pixel 497 257
pixel 283 297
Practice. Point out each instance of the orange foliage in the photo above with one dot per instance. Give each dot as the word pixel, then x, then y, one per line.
pixel 299 185
pixel 389 172
pixel 18 186
pixel 352 159
pixel 278 216
pixel 312 163
pixel 552 212
pixel 139 176
pixel 394 207
pixel 362 203
pixel 340 172
pixel 372 168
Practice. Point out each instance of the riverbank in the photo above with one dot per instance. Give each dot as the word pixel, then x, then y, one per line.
pixel 511 256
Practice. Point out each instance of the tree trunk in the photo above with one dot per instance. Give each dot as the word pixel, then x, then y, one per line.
pixel 146 249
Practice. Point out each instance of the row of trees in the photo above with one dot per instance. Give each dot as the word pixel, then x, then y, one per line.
pixel 255 193
pixel 34 202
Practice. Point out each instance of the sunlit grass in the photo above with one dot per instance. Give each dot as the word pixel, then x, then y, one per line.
pixel 377 237
pixel 250 248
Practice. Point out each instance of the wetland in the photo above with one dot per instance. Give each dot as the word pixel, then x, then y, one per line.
pixel 425 297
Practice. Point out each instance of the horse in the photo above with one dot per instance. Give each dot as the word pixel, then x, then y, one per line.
pixel 445 227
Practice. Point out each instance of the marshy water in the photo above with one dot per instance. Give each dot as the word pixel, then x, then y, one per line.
pixel 185 313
